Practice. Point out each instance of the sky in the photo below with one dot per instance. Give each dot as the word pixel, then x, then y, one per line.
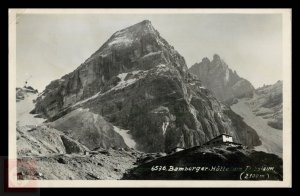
pixel 49 46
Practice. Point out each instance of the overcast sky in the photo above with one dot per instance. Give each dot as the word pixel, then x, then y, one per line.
pixel 50 46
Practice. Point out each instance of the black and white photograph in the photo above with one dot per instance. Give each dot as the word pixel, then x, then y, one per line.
pixel 157 97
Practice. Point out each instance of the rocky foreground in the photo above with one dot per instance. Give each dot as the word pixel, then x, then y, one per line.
pixel 211 163
pixel 47 154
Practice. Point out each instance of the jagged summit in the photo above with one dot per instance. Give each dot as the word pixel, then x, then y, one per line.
pixel 216 61
pixel 140 43
pixel 133 36
pixel 205 60
pixel 219 78
pixel 145 22
pixel 216 57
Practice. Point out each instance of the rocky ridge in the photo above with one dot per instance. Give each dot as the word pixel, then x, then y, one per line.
pixel 221 80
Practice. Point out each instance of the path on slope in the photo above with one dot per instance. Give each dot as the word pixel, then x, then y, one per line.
pixel 271 138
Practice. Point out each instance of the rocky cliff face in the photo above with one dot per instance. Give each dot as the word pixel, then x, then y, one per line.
pixel 138 47
pixel 138 83
pixel 221 80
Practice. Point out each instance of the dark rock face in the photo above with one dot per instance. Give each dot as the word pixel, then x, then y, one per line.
pixel 215 163
pixel 71 145
pixel 138 47
pixel 138 82
pixel 221 80
pixel 43 140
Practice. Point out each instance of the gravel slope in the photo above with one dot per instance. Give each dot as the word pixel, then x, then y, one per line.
pixel 23 111
pixel 271 138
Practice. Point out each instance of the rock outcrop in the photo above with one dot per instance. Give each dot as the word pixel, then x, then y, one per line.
pixel 44 140
pixel 99 165
pixel 22 93
pixel 89 129
pixel 221 80
pixel 137 82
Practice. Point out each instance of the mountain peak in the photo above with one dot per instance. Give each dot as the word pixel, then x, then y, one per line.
pixel 205 60
pixel 142 27
pixel 137 44
pixel 145 22
pixel 216 57
pixel 218 77
pixel 218 62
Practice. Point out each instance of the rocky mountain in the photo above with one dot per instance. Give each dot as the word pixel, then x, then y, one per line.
pixel 260 108
pixel 221 80
pixel 136 91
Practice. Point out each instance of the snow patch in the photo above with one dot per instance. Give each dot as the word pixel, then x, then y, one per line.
pixel 124 40
pixel 103 55
pixel 151 54
pixel 161 67
pixel 193 112
pixel 24 107
pixel 124 83
pixel 164 127
pixel 160 42
pixel 271 138
pixel 87 99
pixel 129 141
pixel 227 75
